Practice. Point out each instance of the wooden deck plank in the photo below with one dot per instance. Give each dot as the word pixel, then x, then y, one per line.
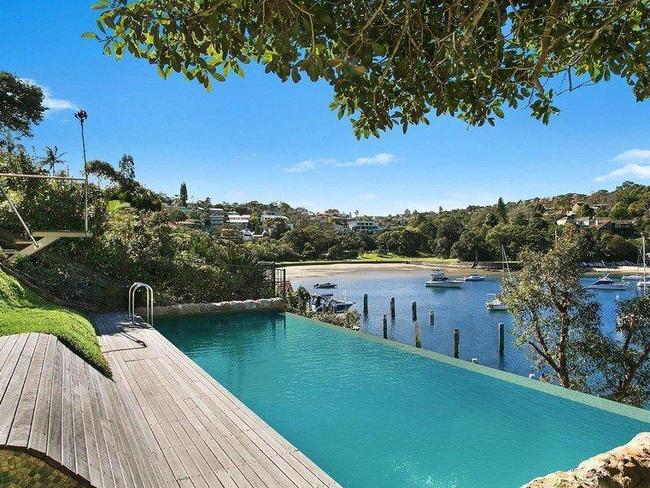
pixel 22 424
pixel 41 420
pixel 203 434
pixel 15 386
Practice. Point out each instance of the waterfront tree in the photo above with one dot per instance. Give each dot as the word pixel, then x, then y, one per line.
pixel 554 315
pixel 21 105
pixel 395 63
pixel 559 321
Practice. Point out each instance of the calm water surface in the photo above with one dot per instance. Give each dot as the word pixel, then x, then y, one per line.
pixel 463 308
pixel 375 416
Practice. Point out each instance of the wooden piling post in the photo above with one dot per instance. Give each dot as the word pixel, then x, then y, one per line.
pixel 365 304
pixel 392 307
pixel 431 317
pixel 501 339
pixel 418 337
pixel 456 342
pixel 414 311
pixel 385 327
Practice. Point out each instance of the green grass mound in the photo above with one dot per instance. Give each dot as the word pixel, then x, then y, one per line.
pixel 23 311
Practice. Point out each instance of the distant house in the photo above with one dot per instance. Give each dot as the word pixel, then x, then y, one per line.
pixel 584 221
pixel 564 220
pixel 365 226
pixel 238 220
pixel 607 224
pixel 217 216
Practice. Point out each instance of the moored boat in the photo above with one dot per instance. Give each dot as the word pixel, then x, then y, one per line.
pixel 325 285
pixel 493 302
pixel 606 283
pixel 440 280
pixel 327 303
pixel 473 278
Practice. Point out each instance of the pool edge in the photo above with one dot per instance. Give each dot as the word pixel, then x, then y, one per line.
pixel 611 406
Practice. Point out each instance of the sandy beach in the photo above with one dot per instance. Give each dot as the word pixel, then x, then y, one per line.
pixel 314 270
pixel 338 268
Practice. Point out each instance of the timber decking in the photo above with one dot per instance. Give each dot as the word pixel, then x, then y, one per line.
pixel 57 407
pixel 202 435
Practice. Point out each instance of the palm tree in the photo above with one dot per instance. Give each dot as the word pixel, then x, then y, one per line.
pixel 52 158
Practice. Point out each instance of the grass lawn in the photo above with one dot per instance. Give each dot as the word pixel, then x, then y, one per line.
pixel 374 257
pixel 390 257
pixel 22 310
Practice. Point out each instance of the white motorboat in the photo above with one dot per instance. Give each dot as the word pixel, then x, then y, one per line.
pixel 606 283
pixel 635 277
pixel 473 278
pixel 327 303
pixel 440 280
pixel 493 302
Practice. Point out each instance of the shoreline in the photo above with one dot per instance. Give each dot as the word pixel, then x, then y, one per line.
pixel 307 270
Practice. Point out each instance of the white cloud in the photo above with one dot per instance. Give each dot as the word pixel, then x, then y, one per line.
pixel 381 159
pixel 632 170
pixel 307 165
pixel 50 102
pixel 633 155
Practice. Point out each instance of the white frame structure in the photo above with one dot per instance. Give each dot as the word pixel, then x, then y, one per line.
pixel 47 237
pixel 149 307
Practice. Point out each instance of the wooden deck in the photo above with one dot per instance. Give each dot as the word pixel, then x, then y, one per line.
pixel 56 407
pixel 202 435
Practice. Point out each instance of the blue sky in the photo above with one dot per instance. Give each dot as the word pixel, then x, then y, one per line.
pixel 258 138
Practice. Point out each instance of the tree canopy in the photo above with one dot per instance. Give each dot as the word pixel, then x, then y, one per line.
pixel 21 105
pixel 395 62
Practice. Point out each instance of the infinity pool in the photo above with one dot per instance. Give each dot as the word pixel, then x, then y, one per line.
pixel 377 415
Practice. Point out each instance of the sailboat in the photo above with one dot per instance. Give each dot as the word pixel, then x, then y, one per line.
pixel 644 283
pixel 493 302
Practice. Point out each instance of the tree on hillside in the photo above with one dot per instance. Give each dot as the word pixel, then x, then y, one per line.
pixel 554 314
pixel 502 210
pixel 51 158
pixel 586 210
pixel 393 63
pixel 182 195
pixel 21 105
pixel 559 321
pixel 127 167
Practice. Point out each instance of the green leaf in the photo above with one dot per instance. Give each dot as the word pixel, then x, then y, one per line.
pixel 89 35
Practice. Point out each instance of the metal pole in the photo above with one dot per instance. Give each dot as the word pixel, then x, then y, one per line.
pixel 456 342
pixel 81 115
pixel 501 339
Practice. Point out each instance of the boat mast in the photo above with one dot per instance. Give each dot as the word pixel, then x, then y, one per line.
pixel 644 263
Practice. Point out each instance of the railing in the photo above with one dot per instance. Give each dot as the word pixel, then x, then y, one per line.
pixel 83 180
pixel 149 307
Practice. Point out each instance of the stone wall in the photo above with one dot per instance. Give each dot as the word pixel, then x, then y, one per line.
pixel 626 466
pixel 21 470
pixel 198 308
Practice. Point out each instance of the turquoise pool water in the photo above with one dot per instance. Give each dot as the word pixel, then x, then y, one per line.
pixel 372 415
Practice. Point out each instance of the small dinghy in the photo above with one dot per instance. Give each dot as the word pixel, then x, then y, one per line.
pixel 325 285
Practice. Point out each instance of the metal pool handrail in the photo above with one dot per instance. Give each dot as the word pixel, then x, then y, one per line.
pixel 149 306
